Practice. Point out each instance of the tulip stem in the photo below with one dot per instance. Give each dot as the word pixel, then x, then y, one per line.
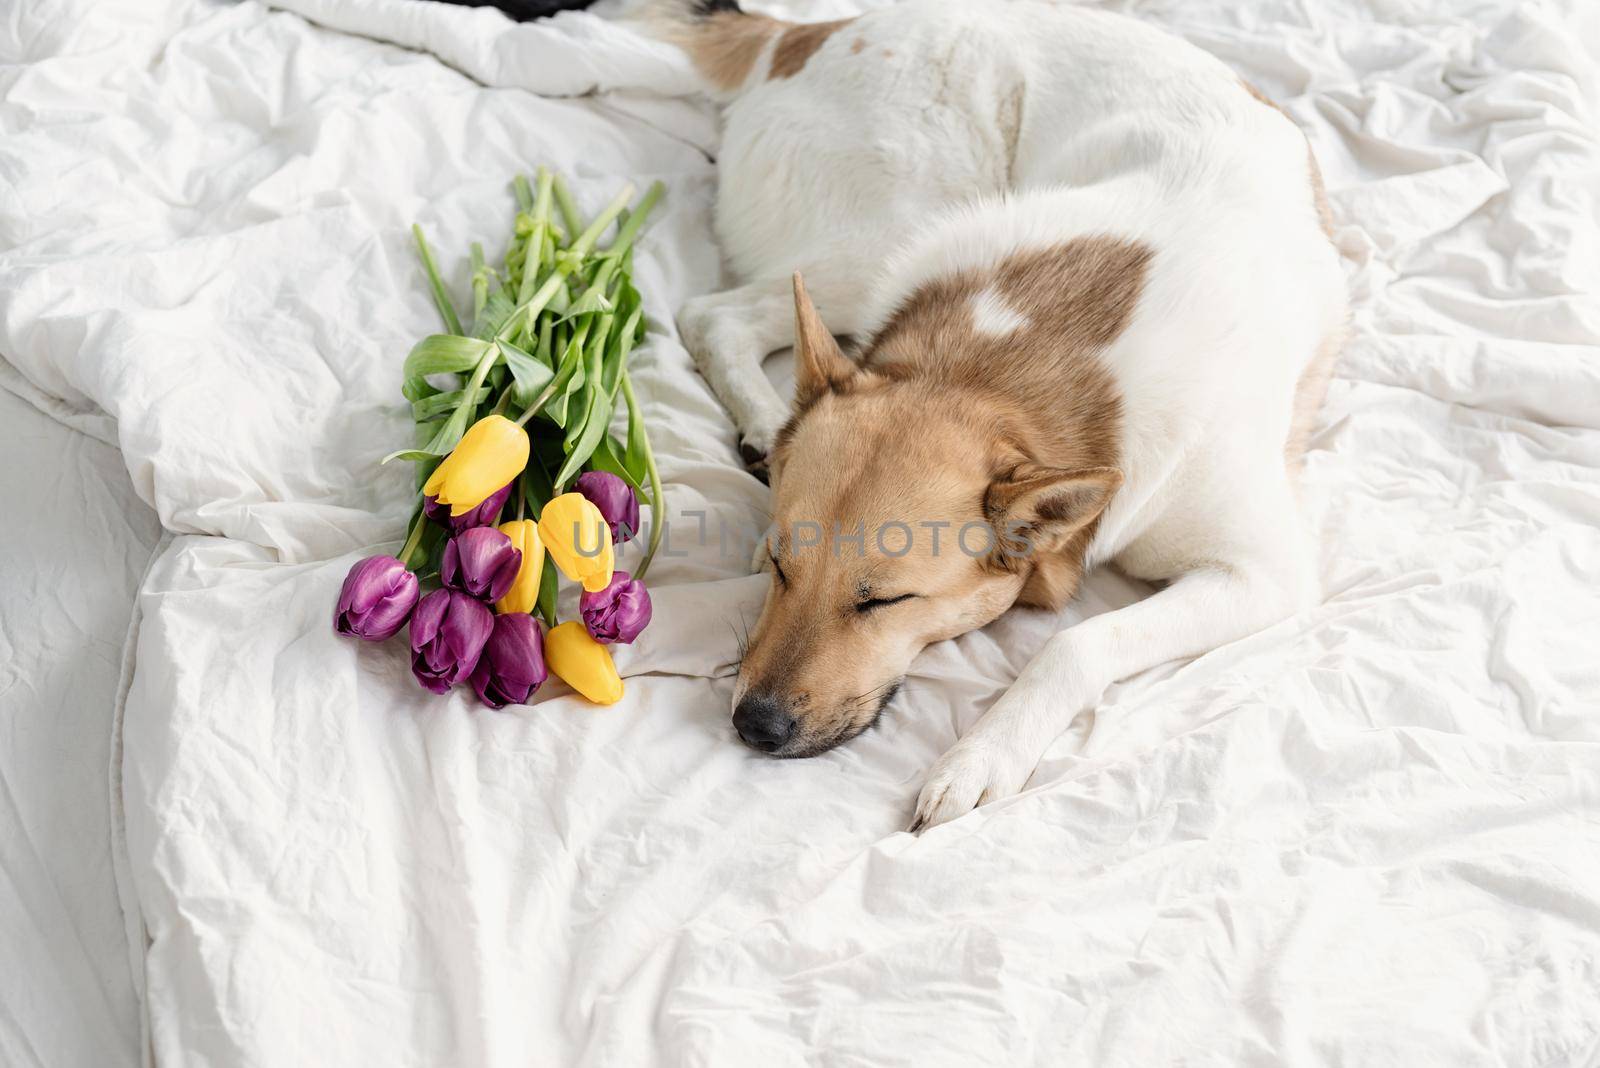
pixel 413 539
pixel 539 402
pixel 533 259
pixel 447 312
pixel 657 521
pixel 528 311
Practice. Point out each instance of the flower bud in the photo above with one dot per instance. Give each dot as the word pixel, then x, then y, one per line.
pixel 617 613
pixel 448 632
pixel 492 452
pixel 485 515
pixel 578 540
pixel 523 596
pixel 376 599
pixel 512 664
pixel 482 562
pixel 582 663
pixel 616 502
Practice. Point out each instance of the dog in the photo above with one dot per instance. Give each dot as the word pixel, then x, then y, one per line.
pixel 1097 302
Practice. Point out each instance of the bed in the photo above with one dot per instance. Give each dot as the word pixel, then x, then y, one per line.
pixel 1368 835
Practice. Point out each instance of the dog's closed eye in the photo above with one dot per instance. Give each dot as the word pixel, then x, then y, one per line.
pixel 872 603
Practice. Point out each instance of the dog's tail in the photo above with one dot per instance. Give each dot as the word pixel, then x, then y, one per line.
pixel 726 43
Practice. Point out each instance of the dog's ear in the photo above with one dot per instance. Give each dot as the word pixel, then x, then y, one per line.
pixel 1036 509
pixel 819 364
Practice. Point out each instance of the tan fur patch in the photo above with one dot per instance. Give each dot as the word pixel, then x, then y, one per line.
pixel 725 46
pixel 798 44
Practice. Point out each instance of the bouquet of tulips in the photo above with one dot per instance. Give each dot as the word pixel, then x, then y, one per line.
pixel 513 417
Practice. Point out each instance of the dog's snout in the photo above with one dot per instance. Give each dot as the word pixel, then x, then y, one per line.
pixel 762 723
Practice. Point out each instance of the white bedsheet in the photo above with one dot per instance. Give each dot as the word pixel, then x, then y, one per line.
pixel 1369 835
pixel 77 541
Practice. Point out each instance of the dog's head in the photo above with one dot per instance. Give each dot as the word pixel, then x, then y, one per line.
pixel 903 513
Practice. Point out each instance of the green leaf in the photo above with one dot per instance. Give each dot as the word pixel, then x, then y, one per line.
pixel 617 356
pixel 569 376
pixel 417 455
pixel 584 399
pixel 440 353
pixel 594 428
pixel 415 389
pixel 434 540
pixel 636 454
pixel 531 375
pixel 450 432
pixel 444 403
pixel 608 457
pixel 560 302
pixel 574 409
pixel 495 312
pixel 547 592
pixel 591 302
pixel 536 487
pixel 544 352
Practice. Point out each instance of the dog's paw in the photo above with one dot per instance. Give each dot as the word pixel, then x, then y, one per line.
pixel 972 773
pixel 755 459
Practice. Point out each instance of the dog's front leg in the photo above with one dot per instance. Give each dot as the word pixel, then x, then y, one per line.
pixel 1196 613
pixel 729 334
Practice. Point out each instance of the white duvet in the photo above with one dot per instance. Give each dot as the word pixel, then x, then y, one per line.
pixel 1370 835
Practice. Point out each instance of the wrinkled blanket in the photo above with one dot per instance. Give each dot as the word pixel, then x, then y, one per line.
pixel 1368 835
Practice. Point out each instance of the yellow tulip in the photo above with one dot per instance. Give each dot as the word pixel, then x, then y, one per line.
pixel 582 663
pixel 524 593
pixel 572 529
pixel 491 453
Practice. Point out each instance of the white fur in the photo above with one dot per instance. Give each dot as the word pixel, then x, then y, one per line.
pixel 993 316
pixel 959 133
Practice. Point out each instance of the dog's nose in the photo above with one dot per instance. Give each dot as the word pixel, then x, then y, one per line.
pixel 762 723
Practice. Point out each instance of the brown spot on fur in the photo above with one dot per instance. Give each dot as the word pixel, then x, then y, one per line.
pixel 725 46
pixel 1062 409
pixel 798 44
pixel 857 45
pixel 1319 192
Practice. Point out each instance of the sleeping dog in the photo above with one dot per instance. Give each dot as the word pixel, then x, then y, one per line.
pixel 1096 301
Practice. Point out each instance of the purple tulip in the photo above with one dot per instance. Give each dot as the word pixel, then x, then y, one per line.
pixel 617 613
pixel 512 665
pixel 485 515
pixel 448 631
pixel 481 561
pixel 615 500
pixel 377 599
